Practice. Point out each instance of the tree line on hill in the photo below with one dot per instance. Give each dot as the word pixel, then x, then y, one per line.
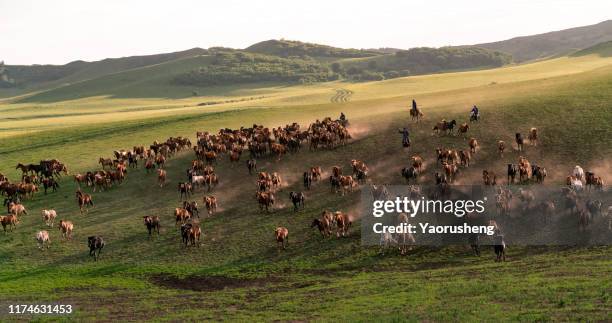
pixel 232 66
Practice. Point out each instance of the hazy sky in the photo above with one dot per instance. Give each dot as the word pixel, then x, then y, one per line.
pixel 61 31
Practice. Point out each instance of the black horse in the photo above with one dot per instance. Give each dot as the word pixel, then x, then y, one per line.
pixel 297 198
pixel 307 180
pixel 519 141
pixel 512 171
pixel 95 243
pixel 410 173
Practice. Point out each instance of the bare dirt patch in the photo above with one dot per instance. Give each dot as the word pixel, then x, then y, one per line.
pixel 209 283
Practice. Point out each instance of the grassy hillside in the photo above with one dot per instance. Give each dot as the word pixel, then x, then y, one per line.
pixel 237 273
pixel 423 60
pixel 601 49
pixel 29 77
pixel 553 43
pixel 26 118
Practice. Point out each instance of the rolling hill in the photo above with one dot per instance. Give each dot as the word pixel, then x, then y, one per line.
pixel 554 43
pixel 423 60
pixel 282 62
pixel 36 76
pixel 601 49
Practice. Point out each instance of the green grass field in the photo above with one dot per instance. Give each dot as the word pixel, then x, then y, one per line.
pixel 237 272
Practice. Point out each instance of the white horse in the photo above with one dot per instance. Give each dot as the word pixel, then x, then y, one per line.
pixel 42 237
pixel 578 173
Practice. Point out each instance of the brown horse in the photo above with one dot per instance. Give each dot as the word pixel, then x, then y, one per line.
pixel 84 201
pixel 416 114
pixel 463 129
pixel 211 204
pixel 282 237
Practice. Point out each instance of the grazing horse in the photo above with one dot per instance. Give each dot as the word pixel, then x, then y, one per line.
pixel 66 228
pixel 282 237
pixel 84 201
pixel 297 198
pixel 95 243
pixel 42 237
pixel 152 223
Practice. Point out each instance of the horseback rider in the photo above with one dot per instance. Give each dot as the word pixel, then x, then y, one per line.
pixel 405 137
pixel 414 106
pixel 342 116
pixel 475 113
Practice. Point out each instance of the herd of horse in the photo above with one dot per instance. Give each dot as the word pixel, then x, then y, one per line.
pixel 262 142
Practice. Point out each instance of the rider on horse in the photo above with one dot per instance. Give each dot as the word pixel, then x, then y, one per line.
pixel 414 106
pixel 342 116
